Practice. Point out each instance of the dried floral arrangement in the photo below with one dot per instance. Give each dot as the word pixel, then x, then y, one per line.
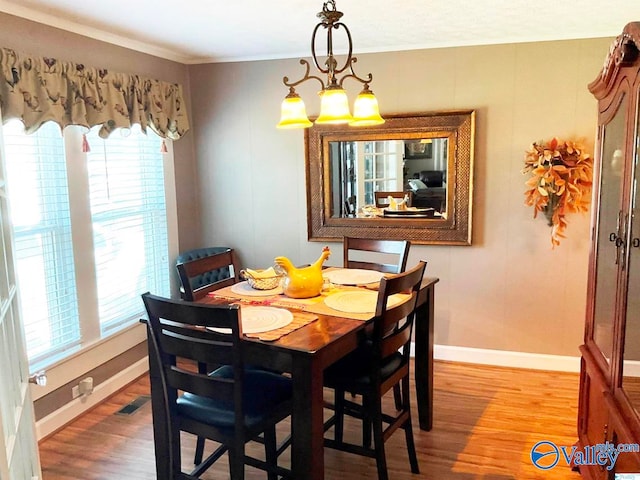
pixel 561 177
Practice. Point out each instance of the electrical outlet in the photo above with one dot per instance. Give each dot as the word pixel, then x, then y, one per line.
pixel 86 386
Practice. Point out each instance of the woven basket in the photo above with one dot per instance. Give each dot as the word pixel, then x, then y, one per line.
pixel 267 283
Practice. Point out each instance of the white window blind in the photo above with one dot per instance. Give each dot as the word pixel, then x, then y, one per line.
pixel 128 213
pixel 39 200
pixel 123 188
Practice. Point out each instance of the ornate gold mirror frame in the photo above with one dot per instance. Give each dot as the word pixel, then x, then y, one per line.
pixel 324 223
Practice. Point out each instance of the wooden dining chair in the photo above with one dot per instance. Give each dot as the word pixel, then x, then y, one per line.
pixel 206 269
pixel 201 271
pixel 232 405
pixel 387 256
pixel 382 198
pixel 373 369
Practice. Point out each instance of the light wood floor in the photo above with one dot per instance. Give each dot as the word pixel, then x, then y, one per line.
pixel 486 421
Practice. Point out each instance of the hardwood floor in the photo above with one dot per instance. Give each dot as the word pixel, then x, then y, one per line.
pixel 486 419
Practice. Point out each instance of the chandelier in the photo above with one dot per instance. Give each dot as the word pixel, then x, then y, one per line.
pixel 334 104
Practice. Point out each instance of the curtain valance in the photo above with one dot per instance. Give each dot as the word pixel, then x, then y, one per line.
pixel 40 89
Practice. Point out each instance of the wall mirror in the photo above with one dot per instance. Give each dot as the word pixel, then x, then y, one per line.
pixel 409 178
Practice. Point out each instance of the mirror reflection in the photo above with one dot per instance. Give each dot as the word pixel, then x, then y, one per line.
pixel 383 178
pixel 410 178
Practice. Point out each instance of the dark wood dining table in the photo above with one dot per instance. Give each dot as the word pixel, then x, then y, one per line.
pixel 306 352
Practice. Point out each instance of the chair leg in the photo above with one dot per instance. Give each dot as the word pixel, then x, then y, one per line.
pixel 408 428
pixel 411 447
pixel 236 463
pixel 366 421
pixel 339 413
pixel 197 459
pixel 397 397
pixel 271 451
pixel 378 441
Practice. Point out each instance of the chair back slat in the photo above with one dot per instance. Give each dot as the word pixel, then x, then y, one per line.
pixel 387 256
pixel 190 344
pixel 395 340
pixel 200 293
pixel 205 274
pixel 200 384
pixel 396 313
pixel 382 198
pixel 380 267
pixel 212 262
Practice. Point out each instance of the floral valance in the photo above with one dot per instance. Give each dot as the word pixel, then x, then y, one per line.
pixel 39 89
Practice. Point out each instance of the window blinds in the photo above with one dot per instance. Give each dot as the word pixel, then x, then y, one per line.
pixel 126 199
pixel 128 213
pixel 39 204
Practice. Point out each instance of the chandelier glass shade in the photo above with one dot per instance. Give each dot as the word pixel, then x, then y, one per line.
pixel 334 103
pixel 293 113
pixel 334 107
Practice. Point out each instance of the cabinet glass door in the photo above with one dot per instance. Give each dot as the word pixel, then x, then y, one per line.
pixel 631 353
pixel 608 229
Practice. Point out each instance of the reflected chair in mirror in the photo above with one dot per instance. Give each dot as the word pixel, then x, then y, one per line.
pixel 373 369
pixel 387 256
pixel 382 198
pixel 206 269
pixel 232 405
pixel 349 208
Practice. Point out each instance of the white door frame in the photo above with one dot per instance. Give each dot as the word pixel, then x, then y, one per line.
pixel 19 459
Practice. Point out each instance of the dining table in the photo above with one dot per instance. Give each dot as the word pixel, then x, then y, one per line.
pixel 317 337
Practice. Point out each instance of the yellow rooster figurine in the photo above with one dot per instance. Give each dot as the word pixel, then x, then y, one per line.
pixel 303 282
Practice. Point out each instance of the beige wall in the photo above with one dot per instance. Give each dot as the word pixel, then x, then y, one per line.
pixel 510 290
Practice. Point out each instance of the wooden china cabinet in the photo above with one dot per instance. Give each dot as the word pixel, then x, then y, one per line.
pixel 609 409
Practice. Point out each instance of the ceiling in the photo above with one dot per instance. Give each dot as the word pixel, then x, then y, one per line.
pixel 203 31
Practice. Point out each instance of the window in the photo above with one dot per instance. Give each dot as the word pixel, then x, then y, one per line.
pixel 90 232
pixel 39 201
pixel 381 164
pixel 128 214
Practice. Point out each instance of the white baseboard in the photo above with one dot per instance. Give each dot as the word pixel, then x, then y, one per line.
pixel 503 358
pixel 631 368
pixel 58 419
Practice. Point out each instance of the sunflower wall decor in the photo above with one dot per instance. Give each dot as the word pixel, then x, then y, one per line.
pixel 560 183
